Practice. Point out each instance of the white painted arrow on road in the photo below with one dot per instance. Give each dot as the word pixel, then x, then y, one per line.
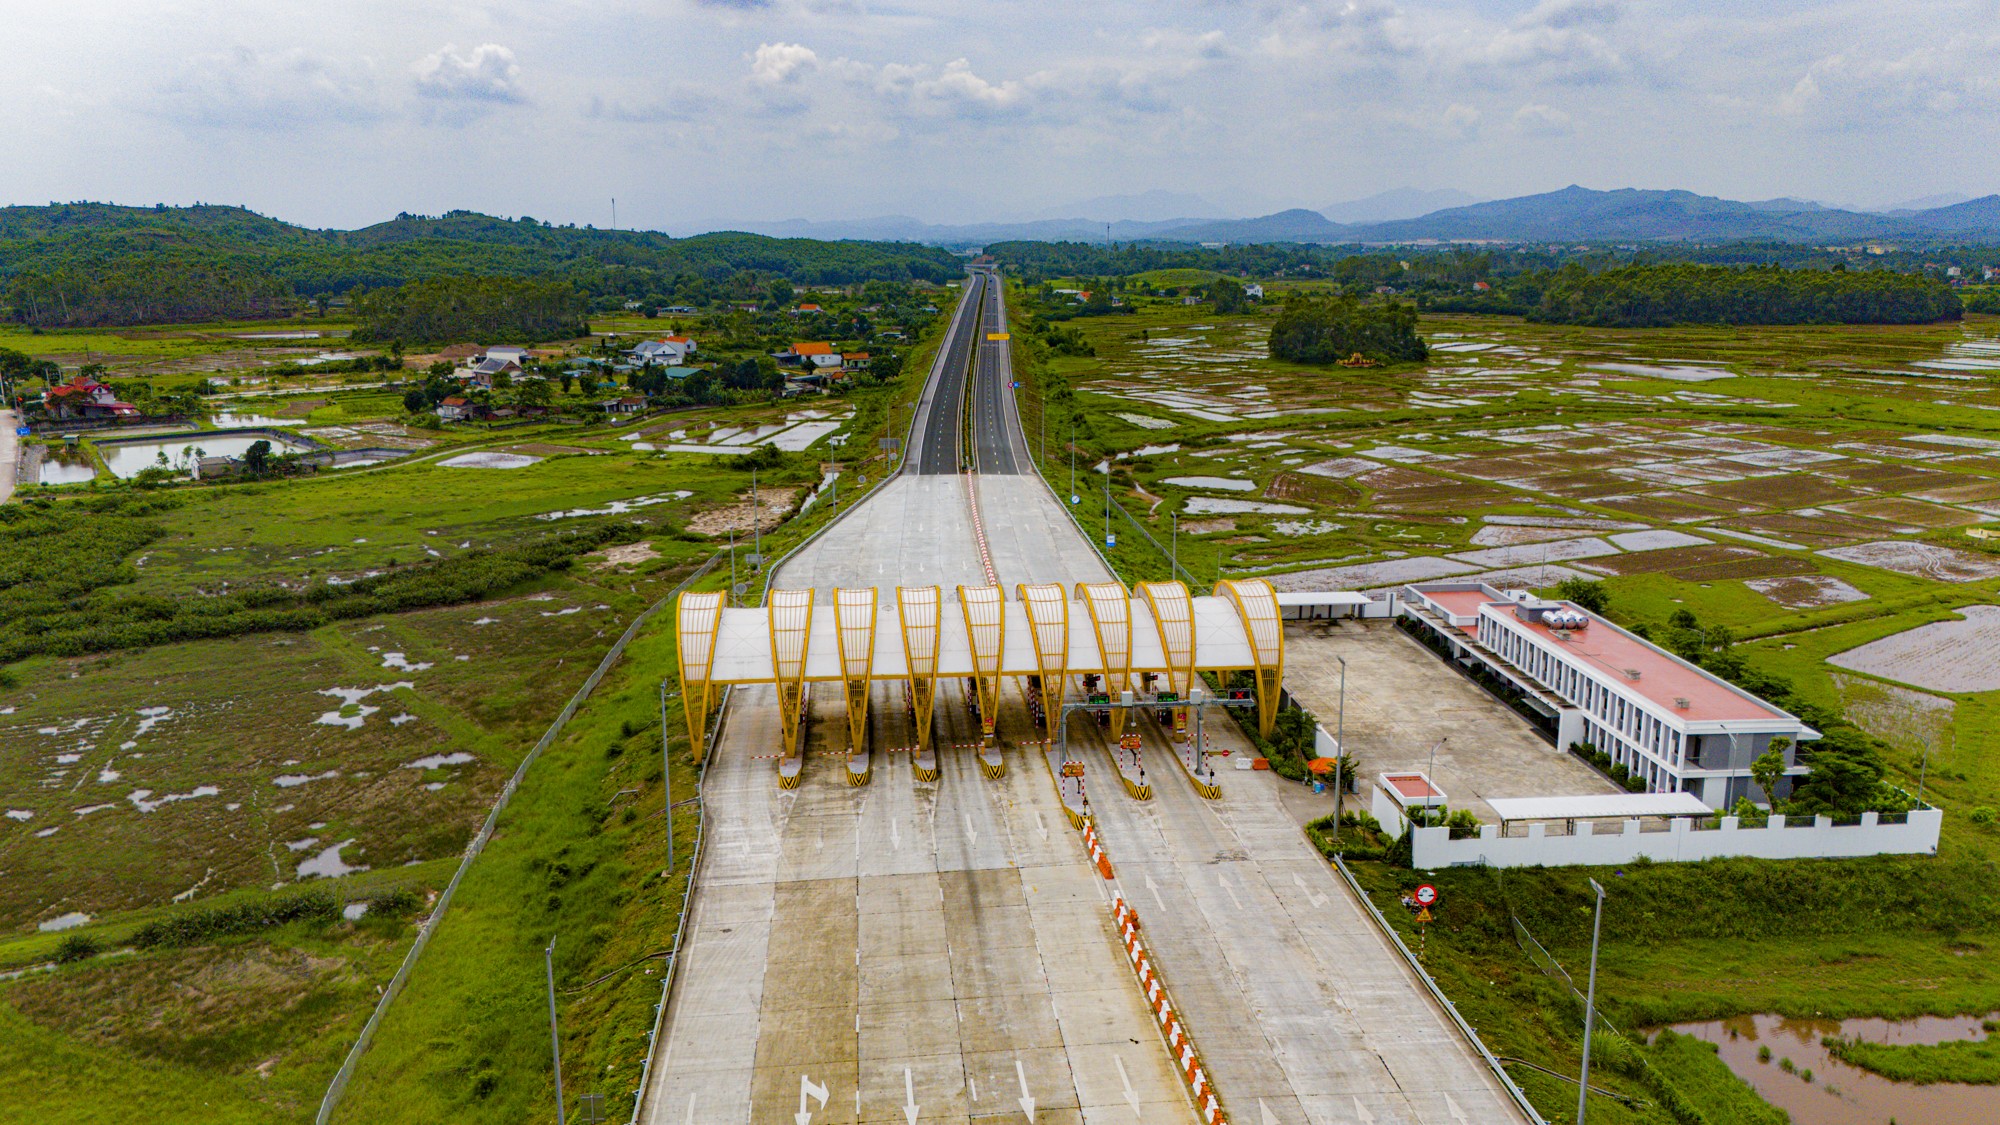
pixel 1361 1113
pixel 1269 1118
pixel 909 1096
pixel 895 837
pixel 690 1117
pixel 1027 1101
pixel 1039 826
pixel 1317 900
pixel 1457 1114
pixel 808 1090
pixel 1155 888
pixel 1230 889
pixel 1131 1095
pixel 971 837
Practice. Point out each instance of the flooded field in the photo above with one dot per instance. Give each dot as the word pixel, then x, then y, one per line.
pixel 1787 1062
pixel 128 459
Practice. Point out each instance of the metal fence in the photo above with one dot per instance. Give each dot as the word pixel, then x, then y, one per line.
pixel 687 908
pixel 338 1087
pixel 1515 1093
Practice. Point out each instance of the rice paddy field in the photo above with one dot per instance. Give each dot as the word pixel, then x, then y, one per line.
pixel 1809 488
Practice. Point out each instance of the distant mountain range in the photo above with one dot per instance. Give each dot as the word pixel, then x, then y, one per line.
pixel 1573 214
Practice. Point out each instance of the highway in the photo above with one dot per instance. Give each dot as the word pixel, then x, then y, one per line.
pixel 998 446
pixel 941 951
pixel 936 430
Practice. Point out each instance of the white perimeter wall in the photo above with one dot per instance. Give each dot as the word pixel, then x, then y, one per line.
pixel 1819 839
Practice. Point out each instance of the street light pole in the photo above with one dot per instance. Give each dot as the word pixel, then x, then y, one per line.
pixel 1107 502
pixel 555 1042
pixel 667 778
pixel 1590 1001
pixel 1339 751
pixel 756 524
pixel 1430 780
pixel 1174 552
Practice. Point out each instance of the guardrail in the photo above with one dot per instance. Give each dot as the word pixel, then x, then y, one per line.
pixel 338 1087
pixel 1471 1036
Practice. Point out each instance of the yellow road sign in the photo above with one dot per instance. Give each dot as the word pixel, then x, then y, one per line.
pixel 997 336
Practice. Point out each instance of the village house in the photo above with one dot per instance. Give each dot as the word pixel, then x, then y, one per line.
pixel 454 409
pixel 84 397
pixel 630 404
pixel 671 351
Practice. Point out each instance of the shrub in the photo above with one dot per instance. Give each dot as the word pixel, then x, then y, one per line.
pixel 76 947
pixel 197 926
pixel 1982 815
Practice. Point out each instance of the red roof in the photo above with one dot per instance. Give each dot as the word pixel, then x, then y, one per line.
pixel 680 340
pixel 820 347
pixel 809 308
pixel 1663 678
pixel 454 400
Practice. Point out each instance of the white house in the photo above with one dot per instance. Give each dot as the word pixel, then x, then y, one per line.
pixel 1672 724
pixel 669 352
pixel 507 353
pixel 1254 292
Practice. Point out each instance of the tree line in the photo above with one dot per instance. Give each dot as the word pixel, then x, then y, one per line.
pixel 442 310
pixel 98 265
pixel 1335 327
pixel 1645 296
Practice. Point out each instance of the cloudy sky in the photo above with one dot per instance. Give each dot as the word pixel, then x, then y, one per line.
pixel 695 113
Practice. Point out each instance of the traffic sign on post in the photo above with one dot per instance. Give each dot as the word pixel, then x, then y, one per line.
pixel 1425 895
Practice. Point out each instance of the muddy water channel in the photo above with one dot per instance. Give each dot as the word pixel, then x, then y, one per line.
pixel 1839 1094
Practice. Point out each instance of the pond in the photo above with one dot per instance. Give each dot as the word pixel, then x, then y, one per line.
pixel 230 420
pixel 1839 1094
pixel 128 459
pixel 66 465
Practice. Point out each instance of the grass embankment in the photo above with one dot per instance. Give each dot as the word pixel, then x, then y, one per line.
pixel 578 858
pixel 1895 937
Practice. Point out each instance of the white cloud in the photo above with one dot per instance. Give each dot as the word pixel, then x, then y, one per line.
pixel 252 90
pixel 1541 121
pixel 487 73
pixel 775 64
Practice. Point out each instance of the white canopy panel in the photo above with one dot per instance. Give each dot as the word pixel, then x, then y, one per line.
pixel 743 643
pixel 1321 597
pixel 1599 806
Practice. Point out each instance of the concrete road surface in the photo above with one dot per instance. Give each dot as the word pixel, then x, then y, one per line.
pixel 941 951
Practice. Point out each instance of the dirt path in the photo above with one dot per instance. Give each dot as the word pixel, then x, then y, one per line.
pixel 10 453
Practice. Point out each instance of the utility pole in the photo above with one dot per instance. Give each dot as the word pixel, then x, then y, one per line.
pixel 614 212
pixel 1590 1001
pixel 1072 460
pixel 555 1041
pixel 731 600
pixel 756 525
pixel 1174 549
pixel 1341 747
pixel 1107 502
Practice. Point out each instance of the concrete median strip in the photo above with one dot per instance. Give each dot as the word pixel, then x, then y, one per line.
pixel 1180 1045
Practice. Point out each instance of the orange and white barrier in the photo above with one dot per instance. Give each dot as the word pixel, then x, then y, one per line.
pixel 1096 850
pixel 1180 1047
